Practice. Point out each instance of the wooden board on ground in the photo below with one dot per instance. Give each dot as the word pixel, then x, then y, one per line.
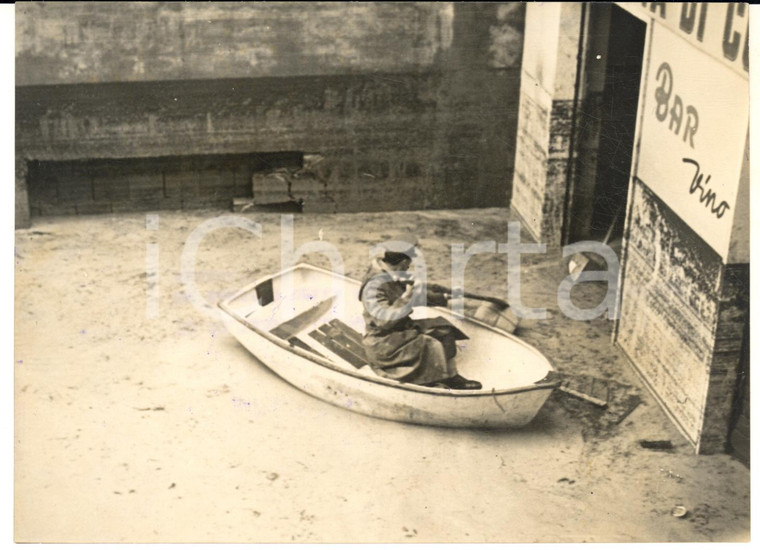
pixel 589 388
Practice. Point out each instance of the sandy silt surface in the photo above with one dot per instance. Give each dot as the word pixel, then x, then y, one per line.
pixel 139 420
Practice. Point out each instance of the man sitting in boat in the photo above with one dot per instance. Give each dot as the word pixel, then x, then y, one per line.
pixel 396 346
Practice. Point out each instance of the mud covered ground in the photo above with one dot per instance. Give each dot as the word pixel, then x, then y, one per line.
pixel 143 421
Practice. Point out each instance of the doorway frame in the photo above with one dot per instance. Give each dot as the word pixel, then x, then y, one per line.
pixel 576 154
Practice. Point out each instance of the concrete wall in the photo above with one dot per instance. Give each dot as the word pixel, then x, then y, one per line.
pixel 412 105
pixel 79 42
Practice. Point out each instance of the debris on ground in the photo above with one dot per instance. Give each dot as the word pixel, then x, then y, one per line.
pixel 580 261
pixel 630 405
pixel 670 474
pixel 621 400
pixel 679 512
pixel 592 389
pixel 660 445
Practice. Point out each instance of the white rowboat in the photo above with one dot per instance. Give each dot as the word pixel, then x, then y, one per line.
pixel 305 324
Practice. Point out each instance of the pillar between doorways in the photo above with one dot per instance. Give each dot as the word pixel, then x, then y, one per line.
pixel 545 121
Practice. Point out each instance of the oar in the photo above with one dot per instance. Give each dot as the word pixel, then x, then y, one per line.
pixel 459 292
pixel 495 311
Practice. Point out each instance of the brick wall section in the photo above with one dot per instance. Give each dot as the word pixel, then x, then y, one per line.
pixel 672 289
pixel 415 108
pixel 110 185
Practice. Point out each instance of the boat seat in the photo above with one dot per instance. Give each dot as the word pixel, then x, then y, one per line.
pixel 343 341
pixel 293 326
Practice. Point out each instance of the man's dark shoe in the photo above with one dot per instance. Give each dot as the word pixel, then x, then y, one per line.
pixel 459 382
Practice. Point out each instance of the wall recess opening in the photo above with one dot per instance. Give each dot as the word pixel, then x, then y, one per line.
pixel 100 186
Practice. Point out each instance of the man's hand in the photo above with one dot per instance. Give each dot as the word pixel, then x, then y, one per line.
pixel 407 295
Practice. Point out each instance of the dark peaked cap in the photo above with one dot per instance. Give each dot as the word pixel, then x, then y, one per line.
pixel 403 243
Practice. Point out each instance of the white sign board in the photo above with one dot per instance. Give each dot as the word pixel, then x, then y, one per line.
pixel 693 131
pixel 720 30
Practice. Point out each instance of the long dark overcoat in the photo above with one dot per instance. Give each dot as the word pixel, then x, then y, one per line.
pixel 395 346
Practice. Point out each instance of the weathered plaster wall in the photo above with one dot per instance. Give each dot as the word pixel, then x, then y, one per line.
pixel 677 288
pixel 77 42
pixel 539 61
pixel 412 105
pixel 544 128
pixel 476 111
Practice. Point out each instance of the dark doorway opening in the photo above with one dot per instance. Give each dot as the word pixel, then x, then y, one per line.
pixel 613 64
pixel 625 56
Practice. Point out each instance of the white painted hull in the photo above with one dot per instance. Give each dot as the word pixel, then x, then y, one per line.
pixel 362 391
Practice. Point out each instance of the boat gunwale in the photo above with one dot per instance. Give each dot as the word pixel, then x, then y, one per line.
pixel 550 381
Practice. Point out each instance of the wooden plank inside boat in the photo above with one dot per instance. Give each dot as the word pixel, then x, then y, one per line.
pixel 348 331
pixel 344 341
pixel 338 349
pixel 301 321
